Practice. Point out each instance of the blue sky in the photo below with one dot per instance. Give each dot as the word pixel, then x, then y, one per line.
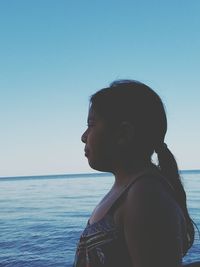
pixel 55 53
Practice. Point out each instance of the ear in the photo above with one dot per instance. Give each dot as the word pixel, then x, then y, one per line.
pixel 125 133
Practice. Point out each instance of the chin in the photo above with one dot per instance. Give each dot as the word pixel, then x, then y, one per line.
pixel 99 166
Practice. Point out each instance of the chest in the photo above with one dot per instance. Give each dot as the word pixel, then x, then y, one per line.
pixel 104 207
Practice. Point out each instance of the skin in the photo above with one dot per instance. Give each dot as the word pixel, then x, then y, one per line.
pixel 153 225
pixel 152 221
pixel 98 143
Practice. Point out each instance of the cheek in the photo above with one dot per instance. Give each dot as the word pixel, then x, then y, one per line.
pixel 101 155
pixel 102 150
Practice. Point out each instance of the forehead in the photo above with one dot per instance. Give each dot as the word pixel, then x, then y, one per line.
pixel 92 115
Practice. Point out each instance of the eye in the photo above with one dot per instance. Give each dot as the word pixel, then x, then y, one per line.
pixel 90 123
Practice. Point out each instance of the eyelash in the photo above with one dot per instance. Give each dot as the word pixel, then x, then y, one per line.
pixel 90 125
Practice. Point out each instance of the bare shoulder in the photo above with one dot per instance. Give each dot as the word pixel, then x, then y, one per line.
pixel 149 183
pixel 150 187
pixel 153 196
pixel 153 224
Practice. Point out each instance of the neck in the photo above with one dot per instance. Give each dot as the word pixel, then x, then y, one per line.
pixel 123 174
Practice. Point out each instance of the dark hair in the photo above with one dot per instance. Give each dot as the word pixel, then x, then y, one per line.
pixel 135 102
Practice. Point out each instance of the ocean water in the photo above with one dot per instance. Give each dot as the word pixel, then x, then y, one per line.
pixel 41 218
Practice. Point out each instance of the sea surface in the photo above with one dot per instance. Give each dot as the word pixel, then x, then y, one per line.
pixel 41 218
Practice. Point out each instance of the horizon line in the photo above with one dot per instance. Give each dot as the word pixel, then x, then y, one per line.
pixel 76 174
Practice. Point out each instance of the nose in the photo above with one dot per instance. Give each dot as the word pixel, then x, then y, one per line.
pixel 84 137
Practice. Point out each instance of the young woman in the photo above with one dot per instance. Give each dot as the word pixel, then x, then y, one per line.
pixel 143 220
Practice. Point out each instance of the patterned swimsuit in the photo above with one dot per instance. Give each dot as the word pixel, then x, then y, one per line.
pixel 102 243
pixel 99 244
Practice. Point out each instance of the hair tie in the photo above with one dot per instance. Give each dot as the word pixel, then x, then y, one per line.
pixel 162 147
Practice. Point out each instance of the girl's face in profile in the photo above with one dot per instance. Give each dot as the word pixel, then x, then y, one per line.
pixel 99 143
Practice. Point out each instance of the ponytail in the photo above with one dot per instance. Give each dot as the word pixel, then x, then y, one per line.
pixel 169 169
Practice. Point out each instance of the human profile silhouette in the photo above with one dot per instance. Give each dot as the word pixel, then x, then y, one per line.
pixel 143 221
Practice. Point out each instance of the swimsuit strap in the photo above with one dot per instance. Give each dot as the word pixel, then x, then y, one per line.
pixel 151 170
pixel 134 179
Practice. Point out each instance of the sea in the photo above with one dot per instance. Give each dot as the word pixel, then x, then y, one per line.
pixel 42 217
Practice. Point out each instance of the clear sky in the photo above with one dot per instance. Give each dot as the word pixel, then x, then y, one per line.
pixel 55 53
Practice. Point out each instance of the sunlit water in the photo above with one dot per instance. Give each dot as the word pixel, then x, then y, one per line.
pixel 42 218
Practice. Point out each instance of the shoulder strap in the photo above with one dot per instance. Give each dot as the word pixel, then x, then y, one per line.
pixel 134 179
pixel 137 177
